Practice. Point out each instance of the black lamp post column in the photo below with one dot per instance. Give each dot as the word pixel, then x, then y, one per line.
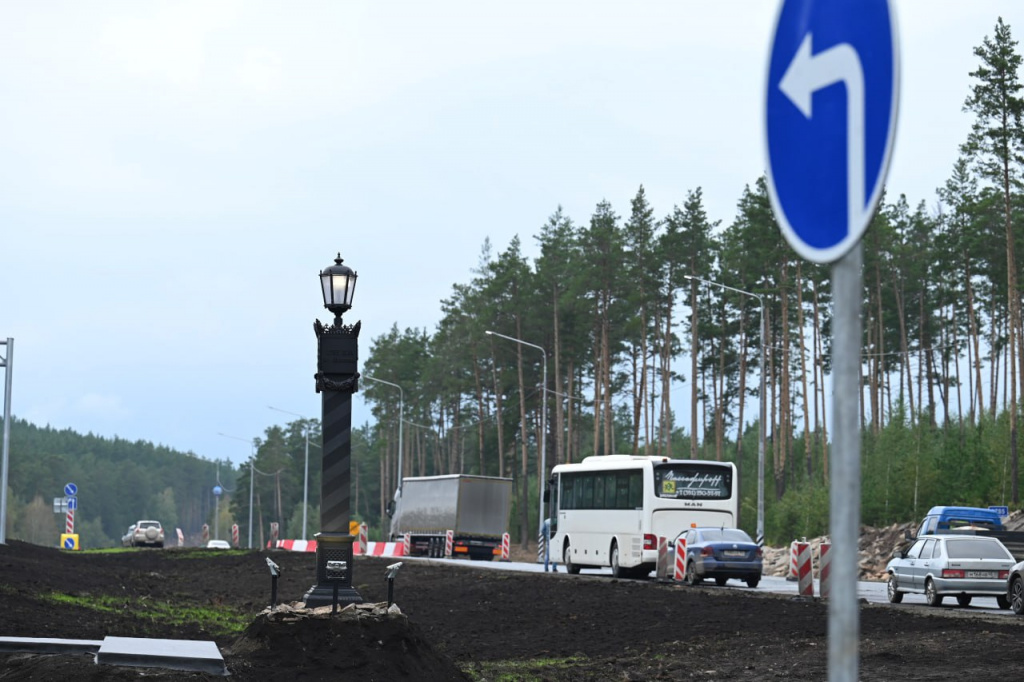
pixel 337 379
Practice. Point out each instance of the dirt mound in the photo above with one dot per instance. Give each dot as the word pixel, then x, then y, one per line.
pixel 363 641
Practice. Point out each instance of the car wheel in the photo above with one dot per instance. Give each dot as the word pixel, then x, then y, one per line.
pixel 963 599
pixel 1002 601
pixel 752 582
pixel 930 595
pixel 570 567
pixel 720 581
pixel 1017 596
pixel 690 575
pixel 895 596
pixel 617 571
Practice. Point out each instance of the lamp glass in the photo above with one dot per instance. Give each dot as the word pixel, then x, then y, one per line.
pixel 339 284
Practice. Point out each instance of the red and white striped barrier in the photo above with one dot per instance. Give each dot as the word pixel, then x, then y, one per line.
pixel 234 534
pixel 680 562
pixel 506 546
pixel 825 569
pixel 792 562
pixel 804 574
pixel 407 544
pixel 364 538
pixel 205 534
pixel 181 538
pixel 661 568
pixel 69 525
pixel 373 549
pixel 449 542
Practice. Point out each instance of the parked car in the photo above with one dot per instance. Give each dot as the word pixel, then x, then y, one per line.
pixel 961 566
pixel 218 544
pixel 148 533
pixel 1015 588
pixel 126 539
pixel 721 554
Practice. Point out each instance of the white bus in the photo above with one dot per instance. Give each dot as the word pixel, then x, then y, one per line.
pixel 610 510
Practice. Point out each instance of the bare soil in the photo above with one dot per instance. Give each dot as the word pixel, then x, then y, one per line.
pixel 461 622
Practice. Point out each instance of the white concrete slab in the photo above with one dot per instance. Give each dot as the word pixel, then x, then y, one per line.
pixel 49 645
pixel 175 654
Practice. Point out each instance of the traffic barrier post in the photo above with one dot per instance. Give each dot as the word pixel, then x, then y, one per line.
pixel 825 569
pixel 364 538
pixel 406 544
pixel 506 547
pixel 680 562
pixel 805 576
pixel 449 541
pixel 661 570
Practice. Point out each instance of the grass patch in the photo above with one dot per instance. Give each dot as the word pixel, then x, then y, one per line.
pixel 533 670
pixel 216 620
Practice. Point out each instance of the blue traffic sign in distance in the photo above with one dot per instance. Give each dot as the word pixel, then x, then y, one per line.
pixel 70 489
pixel 217 490
pixel 69 543
pixel 72 503
pixel 830 120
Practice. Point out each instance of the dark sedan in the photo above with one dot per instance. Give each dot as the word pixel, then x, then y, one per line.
pixel 1015 588
pixel 721 554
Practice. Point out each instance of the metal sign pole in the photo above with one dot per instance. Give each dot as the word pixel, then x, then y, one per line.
pixel 6 363
pixel 844 512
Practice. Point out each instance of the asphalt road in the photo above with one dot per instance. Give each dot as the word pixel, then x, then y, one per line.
pixel 873 592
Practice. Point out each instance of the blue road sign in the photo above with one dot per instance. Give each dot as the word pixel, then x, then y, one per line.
pixel 70 489
pixel 69 543
pixel 217 490
pixel 1002 510
pixel 72 503
pixel 832 91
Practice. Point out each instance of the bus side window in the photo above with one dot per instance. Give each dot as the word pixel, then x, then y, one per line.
pixel 636 489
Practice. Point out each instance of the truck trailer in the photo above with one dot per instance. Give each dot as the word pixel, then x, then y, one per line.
pixel 474 508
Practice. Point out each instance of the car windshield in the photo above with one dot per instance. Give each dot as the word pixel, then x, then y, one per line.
pixel 725 535
pixel 975 548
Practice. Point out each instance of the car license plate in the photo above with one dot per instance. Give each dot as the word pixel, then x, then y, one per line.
pixel 980 574
pixel 732 554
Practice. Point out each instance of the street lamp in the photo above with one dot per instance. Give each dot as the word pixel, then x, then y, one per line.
pixel 401 425
pixel 337 378
pixel 252 475
pixel 305 475
pixel 761 429
pixel 542 473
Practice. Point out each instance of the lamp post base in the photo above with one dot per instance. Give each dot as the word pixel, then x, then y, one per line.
pixel 333 572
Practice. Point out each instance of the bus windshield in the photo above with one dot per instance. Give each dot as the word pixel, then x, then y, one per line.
pixel 692 481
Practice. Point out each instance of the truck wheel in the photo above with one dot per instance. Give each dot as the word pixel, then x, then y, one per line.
pixel 570 567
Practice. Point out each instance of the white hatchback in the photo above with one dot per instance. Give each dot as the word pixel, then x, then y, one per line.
pixel 961 566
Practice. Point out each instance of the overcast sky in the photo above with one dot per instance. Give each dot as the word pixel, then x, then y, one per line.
pixel 173 176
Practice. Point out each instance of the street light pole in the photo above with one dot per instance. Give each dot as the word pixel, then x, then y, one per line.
pixel 5 362
pixel 252 475
pixel 401 425
pixel 337 378
pixel 542 472
pixel 761 416
pixel 305 475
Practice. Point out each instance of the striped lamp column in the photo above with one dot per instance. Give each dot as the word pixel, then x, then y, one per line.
pixel 336 381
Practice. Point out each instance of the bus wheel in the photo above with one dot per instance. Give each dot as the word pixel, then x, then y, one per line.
pixel 570 567
pixel 617 571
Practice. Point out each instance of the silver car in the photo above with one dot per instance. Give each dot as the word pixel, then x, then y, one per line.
pixel 961 566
